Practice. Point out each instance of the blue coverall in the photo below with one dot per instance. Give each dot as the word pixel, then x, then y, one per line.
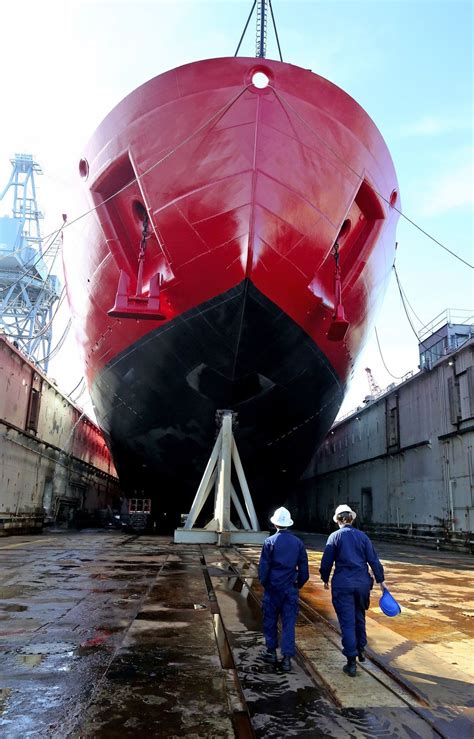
pixel 351 550
pixel 282 570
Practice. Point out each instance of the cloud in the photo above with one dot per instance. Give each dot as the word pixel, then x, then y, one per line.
pixel 434 126
pixel 453 188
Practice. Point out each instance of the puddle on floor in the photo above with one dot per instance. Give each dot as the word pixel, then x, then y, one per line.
pixel 4 694
pixel 30 660
pixel 13 608
pixel 47 648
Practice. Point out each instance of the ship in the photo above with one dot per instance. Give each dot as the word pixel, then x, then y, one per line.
pixel 240 239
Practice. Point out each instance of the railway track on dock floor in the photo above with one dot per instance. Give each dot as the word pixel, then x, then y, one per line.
pixel 105 635
pixel 316 699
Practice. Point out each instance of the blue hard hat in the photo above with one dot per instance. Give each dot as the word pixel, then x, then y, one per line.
pixel 388 604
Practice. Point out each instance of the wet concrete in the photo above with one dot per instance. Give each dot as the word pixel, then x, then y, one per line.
pixel 166 678
pixel 430 644
pixel 104 635
pixel 295 704
pixel 59 626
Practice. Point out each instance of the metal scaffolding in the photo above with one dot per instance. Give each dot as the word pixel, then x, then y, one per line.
pixel 28 290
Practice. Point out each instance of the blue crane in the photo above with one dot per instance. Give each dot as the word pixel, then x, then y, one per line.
pixel 28 290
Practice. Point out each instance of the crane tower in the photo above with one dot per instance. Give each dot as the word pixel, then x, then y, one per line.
pixel 28 290
pixel 374 388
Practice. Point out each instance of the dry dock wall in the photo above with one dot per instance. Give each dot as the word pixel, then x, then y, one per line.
pixel 54 464
pixel 404 461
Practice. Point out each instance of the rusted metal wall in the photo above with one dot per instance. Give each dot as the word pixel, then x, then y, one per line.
pixel 54 463
pixel 404 461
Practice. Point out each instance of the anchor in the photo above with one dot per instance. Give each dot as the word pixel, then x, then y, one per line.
pixel 139 306
pixel 339 325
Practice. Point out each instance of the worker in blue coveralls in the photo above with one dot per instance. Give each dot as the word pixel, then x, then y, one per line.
pixel 282 570
pixel 350 550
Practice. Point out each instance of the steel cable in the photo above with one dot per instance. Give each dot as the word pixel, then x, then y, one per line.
pixel 283 100
pixel 395 377
pixel 221 111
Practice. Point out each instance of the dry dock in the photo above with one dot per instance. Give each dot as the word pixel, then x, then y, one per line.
pixel 108 635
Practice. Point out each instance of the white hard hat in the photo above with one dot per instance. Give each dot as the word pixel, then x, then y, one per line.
pixel 344 509
pixel 282 518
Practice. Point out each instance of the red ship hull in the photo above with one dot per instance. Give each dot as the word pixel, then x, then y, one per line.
pixel 246 191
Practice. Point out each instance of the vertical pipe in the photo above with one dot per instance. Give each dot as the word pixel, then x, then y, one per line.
pixel 451 503
pixel 446 481
pixel 470 473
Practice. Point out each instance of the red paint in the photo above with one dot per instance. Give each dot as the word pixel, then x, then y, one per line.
pixel 262 190
pixel 96 641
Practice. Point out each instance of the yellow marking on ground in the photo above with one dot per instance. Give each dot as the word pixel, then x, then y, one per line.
pixel 26 543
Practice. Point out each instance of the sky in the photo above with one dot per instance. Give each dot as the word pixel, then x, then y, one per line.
pixel 409 63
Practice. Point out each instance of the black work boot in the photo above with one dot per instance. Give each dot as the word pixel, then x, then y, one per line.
pixel 361 655
pixel 269 656
pixel 350 668
pixel 286 663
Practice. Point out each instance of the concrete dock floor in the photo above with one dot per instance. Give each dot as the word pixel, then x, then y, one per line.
pixel 108 635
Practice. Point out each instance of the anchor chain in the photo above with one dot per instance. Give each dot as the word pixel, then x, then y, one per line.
pixel 340 324
pixel 335 253
pixel 141 255
pixel 146 223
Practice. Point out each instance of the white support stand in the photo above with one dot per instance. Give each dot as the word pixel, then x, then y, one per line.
pixel 220 530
